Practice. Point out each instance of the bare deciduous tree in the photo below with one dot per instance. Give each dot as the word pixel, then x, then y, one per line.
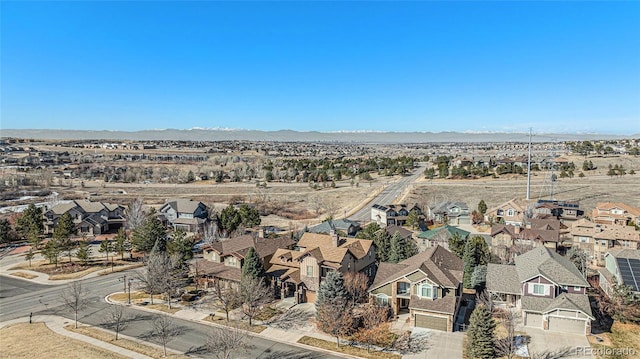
pixel 356 284
pixel 227 343
pixel 164 329
pixel 135 214
pixel 75 297
pixel 253 294
pixel 227 298
pixel 506 346
pixel 116 318
pixel 375 328
pixel 151 276
pixel 211 233
pixel 335 318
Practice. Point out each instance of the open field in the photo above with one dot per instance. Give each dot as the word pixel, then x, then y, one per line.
pixel 595 187
pixel 38 341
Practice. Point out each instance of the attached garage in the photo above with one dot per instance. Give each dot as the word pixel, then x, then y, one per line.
pixel 567 325
pixel 533 320
pixel 431 322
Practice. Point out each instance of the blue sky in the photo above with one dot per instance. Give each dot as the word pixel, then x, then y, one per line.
pixel 324 66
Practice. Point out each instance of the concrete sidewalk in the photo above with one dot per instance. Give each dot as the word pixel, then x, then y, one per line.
pixel 56 324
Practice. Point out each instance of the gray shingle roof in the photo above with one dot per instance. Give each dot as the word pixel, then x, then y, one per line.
pixel 503 278
pixel 543 261
pixel 563 301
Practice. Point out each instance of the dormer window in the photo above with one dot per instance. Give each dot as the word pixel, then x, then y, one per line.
pixel 428 291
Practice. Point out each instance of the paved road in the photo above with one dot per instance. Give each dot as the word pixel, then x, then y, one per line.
pixel 390 193
pixel 18 298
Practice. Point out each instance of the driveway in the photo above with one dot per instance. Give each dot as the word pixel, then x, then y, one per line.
pixel 554 342
pixel 438 345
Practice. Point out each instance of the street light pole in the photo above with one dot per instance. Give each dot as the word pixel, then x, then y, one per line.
pixel 129 298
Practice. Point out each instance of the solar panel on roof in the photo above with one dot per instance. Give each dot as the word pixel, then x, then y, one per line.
pixel 630 272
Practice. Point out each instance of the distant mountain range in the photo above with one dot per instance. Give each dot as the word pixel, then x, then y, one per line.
pixel 300 136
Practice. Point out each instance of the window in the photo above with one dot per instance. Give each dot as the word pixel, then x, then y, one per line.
pixel 403 288
pixel 309 271
pixel 577 289
pixel 382 299
pixel 538 289
pixel 510 212
pixel 428 291
pixel 584 239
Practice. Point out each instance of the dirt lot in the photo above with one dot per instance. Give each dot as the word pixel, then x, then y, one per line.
pixel 38 341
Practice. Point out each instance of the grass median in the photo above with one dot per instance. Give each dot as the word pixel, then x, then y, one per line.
pixel 38 341
pixel 128 344
pixel 346 349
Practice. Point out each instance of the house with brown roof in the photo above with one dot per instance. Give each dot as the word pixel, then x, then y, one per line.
pixel 508 241
pixel 90 218
pixel 598 239
pixel 547 288
pixel 566 211
pixel 615 213
pixel 299 272
pixel 510 212
pixel 428 286
pixel 223 260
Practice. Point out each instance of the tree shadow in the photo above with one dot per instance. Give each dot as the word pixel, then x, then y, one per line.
pixel 291 319
pixel 554 354
pixel 413 343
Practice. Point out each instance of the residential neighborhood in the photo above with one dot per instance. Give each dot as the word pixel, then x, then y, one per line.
pixel 424 268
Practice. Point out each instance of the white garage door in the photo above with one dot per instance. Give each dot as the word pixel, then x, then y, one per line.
pixel 533 320
pixel 567 325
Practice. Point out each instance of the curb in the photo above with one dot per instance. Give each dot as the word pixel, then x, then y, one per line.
pixel 249 333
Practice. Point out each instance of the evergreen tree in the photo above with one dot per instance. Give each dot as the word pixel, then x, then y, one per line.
pixel 229 219
pixel 84 252
pixel 121 243
pixel 180 245
pixel 369 231
pixel 331 289
pixel 410 248
pixel 5 231
pixel 382 240
pixel 413 219
pixel 252 265
pixel 30 221
pixel 51 251
pixel 482 207
pixel 457 244
pixel 150 232
pixel 397 250
pixel 476 252
pixel 249 217
pixel 65 226
pixel 481 334
pixel 106 247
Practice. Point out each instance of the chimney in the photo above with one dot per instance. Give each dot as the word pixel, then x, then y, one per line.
pixel 261 232
pixel 517 229
pixel 334 237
